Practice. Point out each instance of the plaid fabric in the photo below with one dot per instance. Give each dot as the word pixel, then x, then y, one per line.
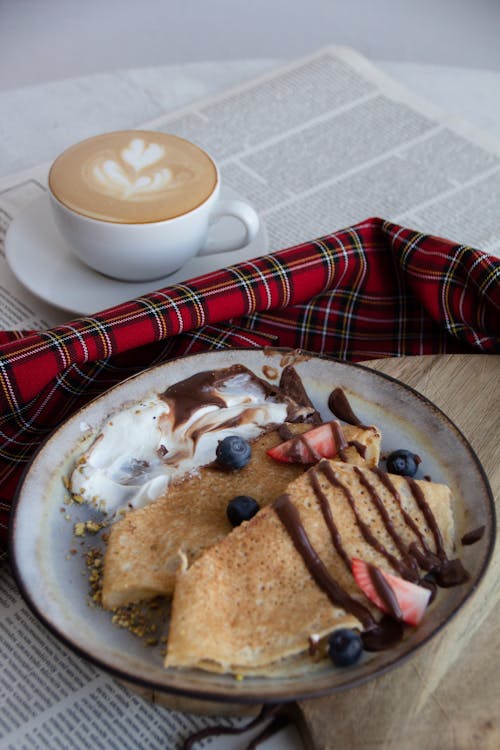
pixel 372 290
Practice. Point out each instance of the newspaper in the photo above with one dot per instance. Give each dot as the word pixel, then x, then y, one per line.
pixel 315 146
pixel 50 699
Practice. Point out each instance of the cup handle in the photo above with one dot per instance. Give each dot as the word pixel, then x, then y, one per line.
pixel 239 210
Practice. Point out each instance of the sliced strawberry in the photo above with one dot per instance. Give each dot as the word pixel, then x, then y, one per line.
pixel 308 447
pixel 412 599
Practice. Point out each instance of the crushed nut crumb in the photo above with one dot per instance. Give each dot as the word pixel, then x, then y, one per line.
pixel 88 527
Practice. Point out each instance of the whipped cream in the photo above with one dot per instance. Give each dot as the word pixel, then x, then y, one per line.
pixel 143 447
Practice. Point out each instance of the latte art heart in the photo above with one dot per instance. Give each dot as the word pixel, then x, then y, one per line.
pixel 114 180
pixel 139 155
pixel 139 170
pixel 133 176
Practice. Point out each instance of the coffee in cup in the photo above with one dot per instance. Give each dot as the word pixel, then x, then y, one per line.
pixel 137 204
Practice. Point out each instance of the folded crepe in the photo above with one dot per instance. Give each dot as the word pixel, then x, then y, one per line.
pixel 144 548
pixel 250 602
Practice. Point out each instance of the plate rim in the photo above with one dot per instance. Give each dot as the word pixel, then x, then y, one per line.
pixel 224 695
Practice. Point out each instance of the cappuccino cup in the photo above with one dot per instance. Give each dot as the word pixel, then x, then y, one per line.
pixel 136 205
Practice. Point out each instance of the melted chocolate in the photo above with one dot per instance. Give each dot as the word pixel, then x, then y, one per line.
pixel 300 441
pixel 226 424
pixel 290 518
pixel 296 452
pixel 341 408
pixel 367 533
pixel 409 568
pixel 359 447
pixel 186 396
pixel 385 634
pixel 444 572
pixel 422 503
pixel 473 536
pixel 386 481
pixel 327 515
pixel 426 560
pixel 285 432
pixel 291 384
pixel 385 592
pixel 450 573
pixel 430 584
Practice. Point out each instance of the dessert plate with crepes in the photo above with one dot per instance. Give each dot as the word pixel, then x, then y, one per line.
pixel 244 614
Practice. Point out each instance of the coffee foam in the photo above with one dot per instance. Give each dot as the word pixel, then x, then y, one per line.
pixel 133 177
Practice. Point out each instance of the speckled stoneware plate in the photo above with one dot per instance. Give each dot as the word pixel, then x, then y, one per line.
pixel 55 584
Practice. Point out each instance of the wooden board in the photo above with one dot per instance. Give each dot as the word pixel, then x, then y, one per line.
pixel 447 697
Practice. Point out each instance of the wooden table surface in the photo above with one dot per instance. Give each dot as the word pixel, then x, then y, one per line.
pixel 447 697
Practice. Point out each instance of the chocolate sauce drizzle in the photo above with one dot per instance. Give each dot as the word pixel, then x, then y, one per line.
pixel 341 408
pixel 385 591
pixel 291 384
pixel 387 633
pixel 429 517
pixel 416 555
pixel 409 568
pixel 297 445
pixel 186 396
pixel 450 573
pixel 444 572
pixel 290 518
pixel 367 533
pixel 300 441
pixel 473 536
pixel 327 515
pixel 359 447
pixel 285 432
pixel 386 481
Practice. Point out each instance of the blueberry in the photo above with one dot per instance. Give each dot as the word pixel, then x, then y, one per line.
pixel 344 647
pixel 241 508
pixel 233 452
pixel 403 462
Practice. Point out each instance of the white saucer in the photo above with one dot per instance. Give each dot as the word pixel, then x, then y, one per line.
pixel 41 260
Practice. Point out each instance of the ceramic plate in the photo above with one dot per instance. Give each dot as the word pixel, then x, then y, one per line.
pixel 55 584
pixel 42 260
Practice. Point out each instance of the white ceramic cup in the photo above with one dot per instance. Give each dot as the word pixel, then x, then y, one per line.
pixel 146 251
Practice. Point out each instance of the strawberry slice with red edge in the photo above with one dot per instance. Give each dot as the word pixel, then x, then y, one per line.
pixel 309 447
pixel 411 598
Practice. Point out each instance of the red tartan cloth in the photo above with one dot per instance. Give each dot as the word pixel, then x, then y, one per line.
pixel 372 290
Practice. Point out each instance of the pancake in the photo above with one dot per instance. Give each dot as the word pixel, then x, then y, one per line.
pixel 250 602
pixel 142 554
